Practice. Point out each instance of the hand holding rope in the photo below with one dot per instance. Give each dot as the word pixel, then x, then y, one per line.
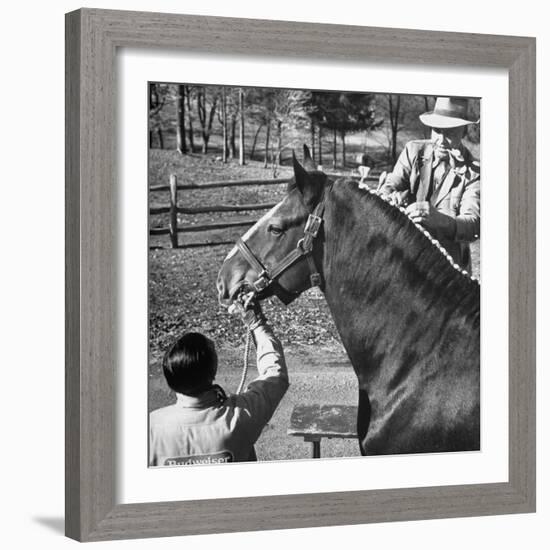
pixel 252 317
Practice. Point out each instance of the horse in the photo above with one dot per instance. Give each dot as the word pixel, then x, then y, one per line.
pixel 407 316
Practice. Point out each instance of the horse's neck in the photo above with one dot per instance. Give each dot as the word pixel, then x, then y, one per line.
pixel 380 298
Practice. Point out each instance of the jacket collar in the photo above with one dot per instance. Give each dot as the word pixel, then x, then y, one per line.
pixel 212 396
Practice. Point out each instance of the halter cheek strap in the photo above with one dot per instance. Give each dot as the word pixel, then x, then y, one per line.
pixel 304 247
pixel 263 280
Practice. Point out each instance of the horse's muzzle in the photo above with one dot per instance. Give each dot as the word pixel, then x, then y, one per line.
pixel 230 290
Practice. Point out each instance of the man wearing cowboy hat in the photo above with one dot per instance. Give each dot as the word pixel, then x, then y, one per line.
pixel 438 180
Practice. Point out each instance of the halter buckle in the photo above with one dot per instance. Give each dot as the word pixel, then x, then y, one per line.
pixel 315 279
pixel 305 245
pixel 262 282
pixel 313 225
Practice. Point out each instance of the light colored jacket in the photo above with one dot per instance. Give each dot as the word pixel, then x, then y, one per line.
pixel 211 428
pixel 457 197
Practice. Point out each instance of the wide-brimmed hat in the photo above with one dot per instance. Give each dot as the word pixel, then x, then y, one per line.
pixel 449 112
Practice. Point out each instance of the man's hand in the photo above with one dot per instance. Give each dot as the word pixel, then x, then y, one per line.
pixel 250 311
pixel 439 224
pixel 398 198
pixel 418 211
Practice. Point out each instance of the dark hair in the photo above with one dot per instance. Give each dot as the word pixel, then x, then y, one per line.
pixel 191 363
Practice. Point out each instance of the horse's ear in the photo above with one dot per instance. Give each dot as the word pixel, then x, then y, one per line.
pixel 307 184
pixel 309 164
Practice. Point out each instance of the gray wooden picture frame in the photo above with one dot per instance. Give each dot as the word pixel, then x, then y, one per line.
pixel 92 39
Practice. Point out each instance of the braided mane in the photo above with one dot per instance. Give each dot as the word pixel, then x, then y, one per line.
pixel 397 212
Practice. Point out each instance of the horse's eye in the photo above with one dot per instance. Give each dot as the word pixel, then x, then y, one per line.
pixel 275 230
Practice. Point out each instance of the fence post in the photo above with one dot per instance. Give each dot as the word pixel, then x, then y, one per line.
pixel 174 210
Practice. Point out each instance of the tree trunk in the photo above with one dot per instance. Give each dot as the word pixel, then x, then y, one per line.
pixel 267 133
pixel 279 142
pixel 153 96
pixel 394 145
pixel 427 130
pixel 394 109
pixel 205 118
pixel 150 139
pixel 343 137
pixel 160 137
pixel 312 128
pixel 334 149
pixel 253 150
pixel 202 118
pixel 241 127
pixel 190 120
pixel 320 141
pixel 274 170
pixel 180 129
pixel 232 146
pixel 211 115
pixel 224 126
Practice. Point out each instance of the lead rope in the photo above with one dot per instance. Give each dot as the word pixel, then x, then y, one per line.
pixel 244 298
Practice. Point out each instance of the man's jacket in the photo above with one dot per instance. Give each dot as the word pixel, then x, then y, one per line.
pixel 458 196
pixel 211 428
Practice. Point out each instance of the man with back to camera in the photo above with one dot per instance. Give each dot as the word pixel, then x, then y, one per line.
pixel 205 426
pixel 439 182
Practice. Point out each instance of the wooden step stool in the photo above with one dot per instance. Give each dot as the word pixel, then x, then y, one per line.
pixel 313 422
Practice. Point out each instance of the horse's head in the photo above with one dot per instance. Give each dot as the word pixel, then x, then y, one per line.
pixel 280 254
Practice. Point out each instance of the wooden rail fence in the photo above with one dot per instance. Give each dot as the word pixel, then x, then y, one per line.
pixel 173 209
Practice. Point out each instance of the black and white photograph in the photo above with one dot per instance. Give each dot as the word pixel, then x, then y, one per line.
pixel 314 274
pixel 253 294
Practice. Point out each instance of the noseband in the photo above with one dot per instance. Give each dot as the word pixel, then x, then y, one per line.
pixel 304 248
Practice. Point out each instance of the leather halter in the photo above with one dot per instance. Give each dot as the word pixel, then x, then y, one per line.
pixel 304 248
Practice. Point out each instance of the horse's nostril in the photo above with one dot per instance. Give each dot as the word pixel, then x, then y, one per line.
pixel 222 289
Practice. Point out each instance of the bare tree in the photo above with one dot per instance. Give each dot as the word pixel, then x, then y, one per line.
pixel 394 112
pixel 256 134
pixel 241 127
pixel 224 125
pixel 342 112
pixel 260 109
pixel 320 142
pixel 188 93
pixel 402 114
pixel 290 113
pixel 343 138
pixel 180 127
pixel 334 149
pixel 267 136
pixel 312 133
pixel 280 111
pixel 158 97
pixel 207 101
pixel 233 134
pixel 228 117
pixel 160 137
